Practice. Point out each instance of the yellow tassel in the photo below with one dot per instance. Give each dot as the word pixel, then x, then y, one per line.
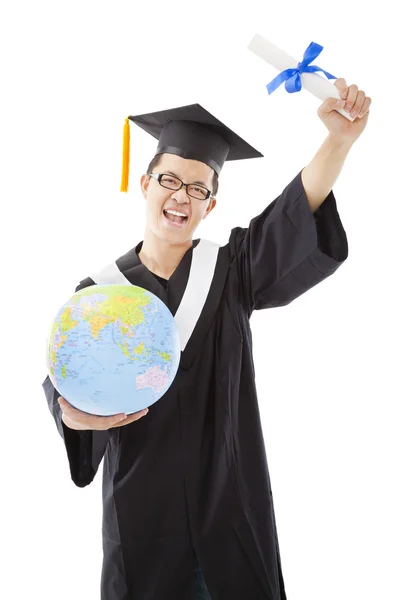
pixel 125 157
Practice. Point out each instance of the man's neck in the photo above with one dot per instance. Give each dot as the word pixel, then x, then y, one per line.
pixel 161 257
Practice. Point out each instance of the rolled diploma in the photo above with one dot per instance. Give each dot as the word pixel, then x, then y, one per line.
pixel 316 84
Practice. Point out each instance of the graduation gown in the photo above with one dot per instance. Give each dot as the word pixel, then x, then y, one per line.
pixel 192 475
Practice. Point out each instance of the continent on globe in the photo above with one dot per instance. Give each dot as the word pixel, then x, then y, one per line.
pixel 155 378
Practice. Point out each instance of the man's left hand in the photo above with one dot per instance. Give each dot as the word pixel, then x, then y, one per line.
pixel 355 102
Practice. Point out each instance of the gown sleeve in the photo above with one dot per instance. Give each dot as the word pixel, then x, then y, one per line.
pixel 86 448
pixel 287 249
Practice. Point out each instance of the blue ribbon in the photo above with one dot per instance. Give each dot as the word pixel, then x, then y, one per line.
pixel 292 77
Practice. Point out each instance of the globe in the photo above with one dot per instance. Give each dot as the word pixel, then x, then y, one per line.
pixel 113 348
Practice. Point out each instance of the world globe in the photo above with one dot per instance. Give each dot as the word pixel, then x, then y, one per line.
pixel 113 349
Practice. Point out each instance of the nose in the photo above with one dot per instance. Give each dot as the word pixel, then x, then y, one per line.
pixel 181 196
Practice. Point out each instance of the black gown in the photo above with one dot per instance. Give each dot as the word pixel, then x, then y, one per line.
pixel 192 475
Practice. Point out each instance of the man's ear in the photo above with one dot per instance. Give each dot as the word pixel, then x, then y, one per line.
pixel 144 184
pixel 210 207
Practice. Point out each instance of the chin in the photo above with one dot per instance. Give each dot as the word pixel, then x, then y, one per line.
pixel 171 237
pixel 174 234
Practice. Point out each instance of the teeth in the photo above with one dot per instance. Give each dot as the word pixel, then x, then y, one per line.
pixel 174 212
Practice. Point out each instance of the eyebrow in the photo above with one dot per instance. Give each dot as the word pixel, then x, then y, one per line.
pixel 175 175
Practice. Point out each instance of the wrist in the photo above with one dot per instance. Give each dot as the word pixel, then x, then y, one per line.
pixel 338 143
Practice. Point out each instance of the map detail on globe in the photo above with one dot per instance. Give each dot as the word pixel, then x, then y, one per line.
pixel 113 348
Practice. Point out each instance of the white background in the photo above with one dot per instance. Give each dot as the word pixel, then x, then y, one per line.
pixel 326 364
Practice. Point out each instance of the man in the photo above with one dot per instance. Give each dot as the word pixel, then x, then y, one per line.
pixel 188 506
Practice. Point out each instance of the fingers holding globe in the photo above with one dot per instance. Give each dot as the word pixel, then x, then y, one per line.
pixel 113 350
pixel 80 420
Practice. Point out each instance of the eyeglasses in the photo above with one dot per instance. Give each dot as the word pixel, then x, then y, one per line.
pixel 173 183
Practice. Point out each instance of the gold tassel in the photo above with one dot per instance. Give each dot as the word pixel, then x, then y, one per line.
pixel 125 158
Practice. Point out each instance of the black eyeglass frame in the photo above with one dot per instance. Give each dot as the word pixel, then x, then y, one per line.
pixel 158 176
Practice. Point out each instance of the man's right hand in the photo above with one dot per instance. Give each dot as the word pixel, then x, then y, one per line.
pixel 80 420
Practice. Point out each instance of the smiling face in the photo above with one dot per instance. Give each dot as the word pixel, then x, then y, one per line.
pixel 159 199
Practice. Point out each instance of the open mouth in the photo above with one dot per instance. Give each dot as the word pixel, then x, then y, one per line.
pixel 175 220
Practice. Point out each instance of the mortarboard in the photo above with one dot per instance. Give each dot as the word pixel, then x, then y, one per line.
pixel 191 132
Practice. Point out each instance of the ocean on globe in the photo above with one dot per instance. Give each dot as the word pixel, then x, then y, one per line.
pixel 113 348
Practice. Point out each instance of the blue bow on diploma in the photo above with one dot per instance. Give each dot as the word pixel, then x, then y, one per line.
pixel 292 77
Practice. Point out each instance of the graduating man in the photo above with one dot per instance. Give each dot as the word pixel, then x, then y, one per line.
pixel 188 511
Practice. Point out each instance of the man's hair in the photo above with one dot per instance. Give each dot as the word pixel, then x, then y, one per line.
pixel 157 159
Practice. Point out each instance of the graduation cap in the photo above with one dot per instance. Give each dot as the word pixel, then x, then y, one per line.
pixel 191 132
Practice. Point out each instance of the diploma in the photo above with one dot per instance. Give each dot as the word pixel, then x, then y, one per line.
pixel 314 83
